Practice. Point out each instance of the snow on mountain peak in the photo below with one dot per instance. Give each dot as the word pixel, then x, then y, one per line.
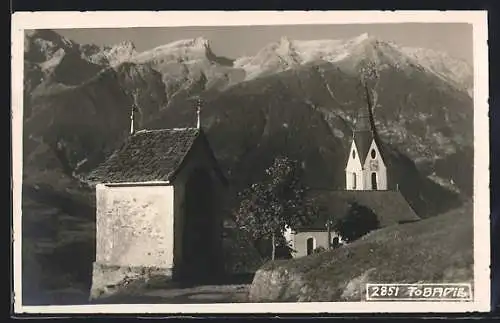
pixel 184 50
pixel 285 41
pixel 119 53
pixel 287 51
pixel 126 44
pixel 286 54
pixel 362 37
pixel 452 69
pixel 193 43
pixel 47 48
pixel 201 42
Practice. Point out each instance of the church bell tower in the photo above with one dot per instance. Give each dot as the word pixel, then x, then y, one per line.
pixel 365 167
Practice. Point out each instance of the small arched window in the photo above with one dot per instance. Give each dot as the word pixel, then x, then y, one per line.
pixel 335 242
pixel 373 154
pixel 310 245
pixel 354 180
pixel 374 181
pixel 353 154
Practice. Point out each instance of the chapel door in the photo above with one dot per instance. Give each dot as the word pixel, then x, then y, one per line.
pixel 374 181
pixel 310 246
pixel 199 224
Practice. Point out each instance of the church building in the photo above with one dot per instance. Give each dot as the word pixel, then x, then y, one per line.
pixel 157 210
pixel 366 183
pixel 365 168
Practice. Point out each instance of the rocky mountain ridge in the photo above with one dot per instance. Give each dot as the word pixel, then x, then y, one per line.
pixel 423 107
pixel 46 48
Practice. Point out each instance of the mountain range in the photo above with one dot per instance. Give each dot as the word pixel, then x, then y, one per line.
pixel 77 100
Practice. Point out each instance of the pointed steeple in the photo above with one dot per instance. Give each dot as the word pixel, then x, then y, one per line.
pixel 364 129
pixel 132 120
pixel 198 111
pixel 132 112
pixel 364 120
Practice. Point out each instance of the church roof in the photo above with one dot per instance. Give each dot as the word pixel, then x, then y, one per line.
pixel 390 206
pixel 363 141
pixel 365 131
pixel 149 155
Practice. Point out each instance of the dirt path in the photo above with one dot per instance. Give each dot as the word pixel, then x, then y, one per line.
pixel 232 289
pixel 197 294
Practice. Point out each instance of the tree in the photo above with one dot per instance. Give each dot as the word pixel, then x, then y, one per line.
pixel 335 243
pixel 279 200
pixel 358 221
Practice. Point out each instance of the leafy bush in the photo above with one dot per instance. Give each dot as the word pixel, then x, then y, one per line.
pixel 358 221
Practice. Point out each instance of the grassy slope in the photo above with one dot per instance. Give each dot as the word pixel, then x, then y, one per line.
pixel 58 239
pixel 433 250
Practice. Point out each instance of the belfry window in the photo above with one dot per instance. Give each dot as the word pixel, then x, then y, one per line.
pixel 353 154
pixel 373 153
pixel 374 181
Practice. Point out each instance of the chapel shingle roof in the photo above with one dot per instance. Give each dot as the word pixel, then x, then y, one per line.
pixel 147 155
pixel 390 206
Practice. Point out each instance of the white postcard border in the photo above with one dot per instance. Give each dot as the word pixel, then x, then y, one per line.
pixel 110 19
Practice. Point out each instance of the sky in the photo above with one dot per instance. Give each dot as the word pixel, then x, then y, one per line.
pixel 237 41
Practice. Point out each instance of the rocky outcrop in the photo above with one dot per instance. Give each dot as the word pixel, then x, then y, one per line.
pixel 110 281
pixel 280 283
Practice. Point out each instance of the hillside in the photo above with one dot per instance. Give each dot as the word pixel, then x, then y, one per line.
pixel 58 243
pixel 433 250
pixel 408 253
